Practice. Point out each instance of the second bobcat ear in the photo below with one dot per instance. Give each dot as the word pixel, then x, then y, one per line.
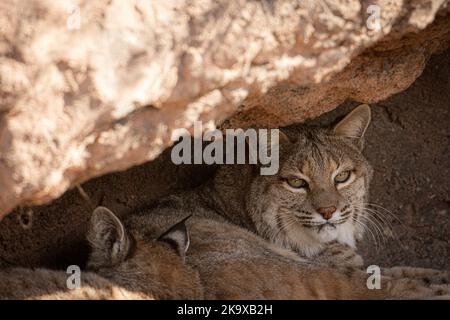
pixel 108 238
pixel 178 237
pixel 355 124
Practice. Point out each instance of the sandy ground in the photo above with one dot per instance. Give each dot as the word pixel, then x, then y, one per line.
pixel 407 143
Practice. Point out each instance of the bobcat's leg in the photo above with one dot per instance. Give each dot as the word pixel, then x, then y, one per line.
pixel 390 288
pixel 409 288
pixel 357 284
pixel 428 276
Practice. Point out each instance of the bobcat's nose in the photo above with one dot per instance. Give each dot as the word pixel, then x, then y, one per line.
pixel 326 212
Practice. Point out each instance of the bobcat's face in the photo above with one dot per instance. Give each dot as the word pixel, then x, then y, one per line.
pixel 321 188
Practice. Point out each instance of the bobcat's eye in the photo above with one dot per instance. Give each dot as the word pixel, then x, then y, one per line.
pixel 342 177
pixel 297 183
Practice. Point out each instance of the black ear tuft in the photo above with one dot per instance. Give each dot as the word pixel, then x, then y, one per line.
pixel 178 237
pixel 355 124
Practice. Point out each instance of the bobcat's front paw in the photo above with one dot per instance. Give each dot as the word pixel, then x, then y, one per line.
pixel 338 255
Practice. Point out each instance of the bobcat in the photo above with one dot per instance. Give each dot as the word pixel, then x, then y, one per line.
pixel 259 237
pixel 122 266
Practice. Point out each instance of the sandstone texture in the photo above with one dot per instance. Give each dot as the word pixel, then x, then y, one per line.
pixel 92 87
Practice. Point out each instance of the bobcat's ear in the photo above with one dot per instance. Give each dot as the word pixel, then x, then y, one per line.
pixel 178 237
pixel 109 240
pixel 355 124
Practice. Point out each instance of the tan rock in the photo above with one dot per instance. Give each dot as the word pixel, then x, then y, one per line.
pixel 90 87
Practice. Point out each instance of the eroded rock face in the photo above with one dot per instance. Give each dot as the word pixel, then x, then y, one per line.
pixel 90 87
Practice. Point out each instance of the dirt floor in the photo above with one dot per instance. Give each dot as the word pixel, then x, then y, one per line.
pixel 407 143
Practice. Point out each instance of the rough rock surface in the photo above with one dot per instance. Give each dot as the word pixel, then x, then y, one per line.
pixel 90 87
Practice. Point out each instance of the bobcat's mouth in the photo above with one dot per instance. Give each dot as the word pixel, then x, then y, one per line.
pixel 321 226
pixel 330 225
pixel 326 226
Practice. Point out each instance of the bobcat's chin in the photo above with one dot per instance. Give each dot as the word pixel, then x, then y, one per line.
pixel 323 233
pixel 310 241
pixel 326 233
